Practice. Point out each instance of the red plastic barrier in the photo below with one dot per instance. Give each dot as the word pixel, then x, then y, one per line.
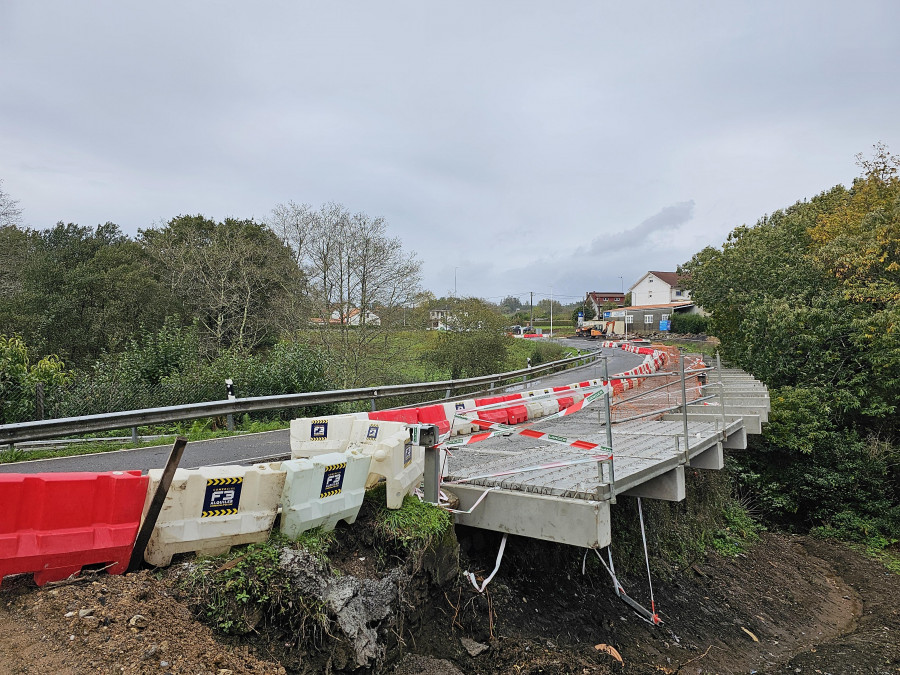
pixel 434 414
pixel 405 415
pixel 517 414
pixel 584 384
pixel 490 400
pixel 53 524
pixel 500 415
pixel 566 388
pixel 512 397
pixel 565 401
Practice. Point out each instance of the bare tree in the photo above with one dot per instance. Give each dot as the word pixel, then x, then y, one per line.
pixel 10 213
pixel 232 276
pixel 357 275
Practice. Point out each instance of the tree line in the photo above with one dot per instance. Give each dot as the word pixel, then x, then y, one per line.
pixel 195 297
pixel 808 300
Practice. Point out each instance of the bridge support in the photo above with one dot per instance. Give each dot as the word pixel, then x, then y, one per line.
pixel 711 458
pixel 578 522
pixel 668 486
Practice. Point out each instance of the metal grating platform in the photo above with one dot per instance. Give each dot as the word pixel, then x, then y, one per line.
pixel 569 502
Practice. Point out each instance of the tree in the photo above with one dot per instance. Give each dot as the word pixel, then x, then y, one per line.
pixel 232 276
pixel 354 272
pixel 807 300
pixel 510 305
pixel 475 342
pixel 589 313
pixel 10 213
pixel 78 291
pixel 19 378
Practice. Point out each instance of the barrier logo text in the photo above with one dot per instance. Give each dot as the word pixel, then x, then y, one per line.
pixel 318 430
pixel 223 495
pixel 407 454
pixel 372 433
pixel 333 480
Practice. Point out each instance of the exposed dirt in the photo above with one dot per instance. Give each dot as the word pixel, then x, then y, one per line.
pixel 41 631
pixel 789 600
pixel 812 606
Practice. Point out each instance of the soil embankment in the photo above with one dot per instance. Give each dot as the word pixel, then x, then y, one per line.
pixel 790 604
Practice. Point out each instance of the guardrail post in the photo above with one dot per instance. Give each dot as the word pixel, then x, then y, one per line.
pixel 134 435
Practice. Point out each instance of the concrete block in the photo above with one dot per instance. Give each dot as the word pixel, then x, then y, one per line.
pixel 668 486
pixel 737 440
pixel 712 458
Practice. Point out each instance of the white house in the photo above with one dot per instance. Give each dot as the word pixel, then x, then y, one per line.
pixel 657 288
pixel 352 318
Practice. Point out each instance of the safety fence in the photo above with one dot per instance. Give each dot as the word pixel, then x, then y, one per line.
pixel 53 525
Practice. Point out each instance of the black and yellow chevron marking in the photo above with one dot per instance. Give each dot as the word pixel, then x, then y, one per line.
pixel 224 481
pixel 329 493
pixel 335 467
pixel 220 512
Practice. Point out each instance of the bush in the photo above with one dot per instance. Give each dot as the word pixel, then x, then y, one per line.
pixel 165 369
pixel 547 352
pixel 809 471
pixel 689 323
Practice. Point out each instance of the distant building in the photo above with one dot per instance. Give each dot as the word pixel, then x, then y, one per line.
pixel 439 319
pixel 656 288
pixel 352 318
pixel 644 319
pixel 598 299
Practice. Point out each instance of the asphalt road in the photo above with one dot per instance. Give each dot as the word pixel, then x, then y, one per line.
pixel 272 445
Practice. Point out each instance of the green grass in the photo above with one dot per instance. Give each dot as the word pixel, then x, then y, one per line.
pixel 738 531
pixel 236 591
pixel 413 526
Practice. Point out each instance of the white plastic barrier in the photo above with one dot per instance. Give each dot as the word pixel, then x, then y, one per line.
pixel 537 392
pixel 401 465
pixel 393 457
pixel 550 406
pixel 319 435
pixel 460 427
pixel 322 490
pixel 535 409
pixel 211 509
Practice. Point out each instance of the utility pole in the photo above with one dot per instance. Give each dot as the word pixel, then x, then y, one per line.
pixel 551 311
pixel 531 293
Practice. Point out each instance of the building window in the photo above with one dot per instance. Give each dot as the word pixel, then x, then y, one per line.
pixel 648 319
pixel 677 294
pixel 664 317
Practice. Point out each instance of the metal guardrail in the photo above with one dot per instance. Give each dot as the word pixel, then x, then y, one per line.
pixel 68 426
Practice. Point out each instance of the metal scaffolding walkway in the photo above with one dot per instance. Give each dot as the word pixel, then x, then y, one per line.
pixel 563 494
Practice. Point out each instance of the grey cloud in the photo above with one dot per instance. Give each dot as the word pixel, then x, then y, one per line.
pixel 668 218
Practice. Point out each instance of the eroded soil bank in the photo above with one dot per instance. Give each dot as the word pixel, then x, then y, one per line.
pixel 790 604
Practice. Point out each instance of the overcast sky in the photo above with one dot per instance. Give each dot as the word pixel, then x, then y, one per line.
pixel 525 146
